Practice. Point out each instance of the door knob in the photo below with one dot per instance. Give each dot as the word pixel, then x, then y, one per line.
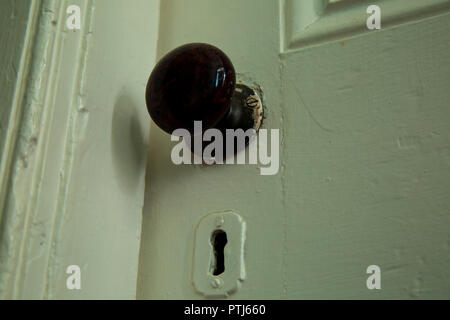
pixel 197 82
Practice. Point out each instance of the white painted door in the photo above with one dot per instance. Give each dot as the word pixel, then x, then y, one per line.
pixel 364 153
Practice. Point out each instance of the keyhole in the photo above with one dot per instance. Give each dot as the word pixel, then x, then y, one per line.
pixel 218 241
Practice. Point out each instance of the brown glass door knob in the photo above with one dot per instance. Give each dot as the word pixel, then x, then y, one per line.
pixel 197 82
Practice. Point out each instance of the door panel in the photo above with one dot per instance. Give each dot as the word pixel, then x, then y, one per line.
pixel 364 161
pixel 366 164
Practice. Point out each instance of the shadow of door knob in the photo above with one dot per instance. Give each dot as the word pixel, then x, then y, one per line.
pixel 197 82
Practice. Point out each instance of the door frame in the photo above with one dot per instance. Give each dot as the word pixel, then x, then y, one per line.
pixel 36 170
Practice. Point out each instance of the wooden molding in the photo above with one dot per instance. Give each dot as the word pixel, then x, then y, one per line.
pixel 27 217
pixel 312 22
pixel 77 171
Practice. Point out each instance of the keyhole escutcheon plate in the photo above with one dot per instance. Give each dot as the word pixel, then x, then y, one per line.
pixel 218 266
